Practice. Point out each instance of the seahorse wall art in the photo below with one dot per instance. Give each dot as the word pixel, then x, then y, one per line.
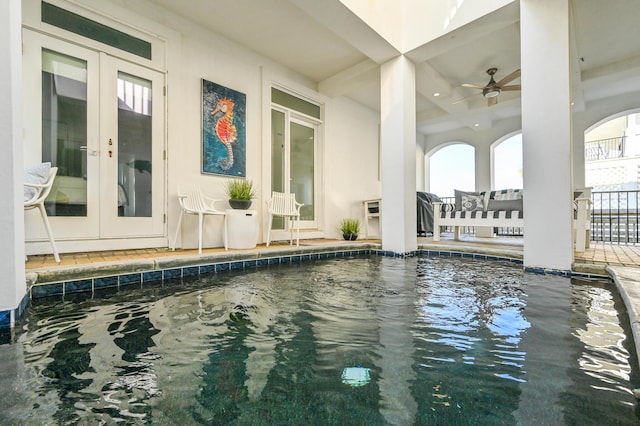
pixel 223 130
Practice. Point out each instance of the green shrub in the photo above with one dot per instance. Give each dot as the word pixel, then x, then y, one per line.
pixel 240 189
pixel 350 226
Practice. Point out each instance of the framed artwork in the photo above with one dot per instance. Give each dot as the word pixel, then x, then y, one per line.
pixel 224 142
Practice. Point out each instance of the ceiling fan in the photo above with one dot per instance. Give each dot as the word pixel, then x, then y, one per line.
pixel 492 89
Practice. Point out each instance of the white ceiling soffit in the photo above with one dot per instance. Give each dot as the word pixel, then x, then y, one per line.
pixel 327 43
pixel 276 29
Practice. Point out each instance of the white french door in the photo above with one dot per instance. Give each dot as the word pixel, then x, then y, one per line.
pixel 293 163
pixel 131 148
pixel 100 120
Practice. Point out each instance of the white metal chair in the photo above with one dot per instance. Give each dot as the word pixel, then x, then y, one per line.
pixel 582 218
pixel 193 201
pixel 284 205
pixel 35 194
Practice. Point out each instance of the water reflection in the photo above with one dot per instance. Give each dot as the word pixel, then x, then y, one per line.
pixel 441 341
pixel 54 344
pixel 603 354
pixel 472 324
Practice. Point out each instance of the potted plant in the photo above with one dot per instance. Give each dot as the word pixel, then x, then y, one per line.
pixel 350 229
pixel 240 192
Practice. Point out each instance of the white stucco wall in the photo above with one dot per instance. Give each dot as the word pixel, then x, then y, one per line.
pixel 349 154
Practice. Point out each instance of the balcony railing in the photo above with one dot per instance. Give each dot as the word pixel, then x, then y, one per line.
pixel 614 217
pixel 604 149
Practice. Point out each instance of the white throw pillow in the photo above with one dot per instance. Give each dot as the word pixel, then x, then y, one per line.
pixel 472 203
pixel 36 173
pixel 459 202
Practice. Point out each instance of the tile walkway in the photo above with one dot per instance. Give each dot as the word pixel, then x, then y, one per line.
pixel 599 254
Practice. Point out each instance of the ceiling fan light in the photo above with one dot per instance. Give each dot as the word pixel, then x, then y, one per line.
pixel 491 92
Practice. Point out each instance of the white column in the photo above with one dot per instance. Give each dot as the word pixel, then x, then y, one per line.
pixel 632 141
pixel 398 140
pixel 578 155
pixel 483 166
pixel 12 286
pixel 546 134
pixel 483 180
pixel 420 163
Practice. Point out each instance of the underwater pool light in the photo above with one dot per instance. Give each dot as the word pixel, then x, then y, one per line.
pixel 355 376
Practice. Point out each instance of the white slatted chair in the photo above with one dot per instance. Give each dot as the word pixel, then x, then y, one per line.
pixel 582 218
pixel 35 194
pixel 284 205
pixel 193 201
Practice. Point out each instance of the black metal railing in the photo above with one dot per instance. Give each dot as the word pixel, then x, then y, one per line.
pixel 615 217
pixel 605 149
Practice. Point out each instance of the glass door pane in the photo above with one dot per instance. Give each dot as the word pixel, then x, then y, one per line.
pixel 277 151
pixel 134 146
pixel 303 168
pixel 61 91
pixel 277 159
pixel 64 131
pixel 293 167
pixel 132 138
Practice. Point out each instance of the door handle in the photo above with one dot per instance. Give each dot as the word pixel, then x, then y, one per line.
pixel 90 151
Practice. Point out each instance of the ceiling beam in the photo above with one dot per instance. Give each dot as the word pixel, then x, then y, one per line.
pixel 338 18
pixel 629 66
pixel 353 77
pixel 490 23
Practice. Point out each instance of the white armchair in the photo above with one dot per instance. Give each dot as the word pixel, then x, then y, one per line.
pixel 193 201
pixel 284 205
pixel 37 185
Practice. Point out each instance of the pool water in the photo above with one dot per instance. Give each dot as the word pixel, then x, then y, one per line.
pixel 354 341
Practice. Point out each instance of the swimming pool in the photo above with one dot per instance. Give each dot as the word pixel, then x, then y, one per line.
pixel 363 340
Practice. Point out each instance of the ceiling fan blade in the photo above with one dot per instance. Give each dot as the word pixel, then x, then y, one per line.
pixel 509 78
pixel 492 101
pixel 473 86
pixel 512 87
pixel 465 98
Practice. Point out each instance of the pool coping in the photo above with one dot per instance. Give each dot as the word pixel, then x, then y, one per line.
pixel 61 281
pixel 627 280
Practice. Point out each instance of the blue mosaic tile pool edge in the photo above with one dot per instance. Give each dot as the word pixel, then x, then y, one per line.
pixel 62 288
pixel 10 316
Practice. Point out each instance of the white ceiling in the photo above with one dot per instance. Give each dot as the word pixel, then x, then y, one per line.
pixel 326 42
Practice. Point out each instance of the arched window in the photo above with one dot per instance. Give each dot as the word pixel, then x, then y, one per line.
pixel 507 163
pixel 452 167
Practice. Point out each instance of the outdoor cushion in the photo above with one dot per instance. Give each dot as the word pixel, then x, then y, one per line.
pixel 470 203
pixel 458 198
pixel 507 205
pixel 36 173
